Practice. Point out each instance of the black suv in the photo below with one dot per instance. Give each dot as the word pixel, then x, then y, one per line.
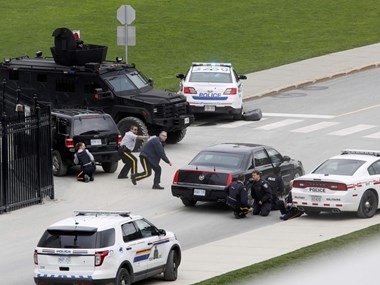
pixel 96 129
pixel 81 78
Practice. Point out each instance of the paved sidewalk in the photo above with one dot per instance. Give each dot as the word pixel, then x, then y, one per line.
pixel 216 258
pixel 295 75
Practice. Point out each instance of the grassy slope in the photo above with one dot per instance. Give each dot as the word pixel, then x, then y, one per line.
pixel 253 35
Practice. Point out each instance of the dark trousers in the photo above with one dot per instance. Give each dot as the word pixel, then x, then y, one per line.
pixel 240 211
pixel 129 160
pixel 263 209
pixel 86 170
pixel 147 166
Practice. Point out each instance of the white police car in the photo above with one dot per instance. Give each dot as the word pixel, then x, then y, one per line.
pixel 349 182
pixel 105 247
pixel 213 88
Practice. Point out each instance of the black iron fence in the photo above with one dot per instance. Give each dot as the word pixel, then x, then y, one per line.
pixel 26 175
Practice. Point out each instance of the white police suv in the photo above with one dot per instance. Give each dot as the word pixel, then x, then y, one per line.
pixel 349 182
pixel 213 88
pixel 105 247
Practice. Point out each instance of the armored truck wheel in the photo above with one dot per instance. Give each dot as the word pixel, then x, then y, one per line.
pixel 175 137
pixel 125 124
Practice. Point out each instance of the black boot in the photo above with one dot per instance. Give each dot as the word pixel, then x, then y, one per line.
pixel 157 186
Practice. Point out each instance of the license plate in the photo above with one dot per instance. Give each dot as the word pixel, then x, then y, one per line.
pixel 187 121
pixel 96 142
pixel 64 259
pixel 199 192
pixel 210 108
pixel 316 198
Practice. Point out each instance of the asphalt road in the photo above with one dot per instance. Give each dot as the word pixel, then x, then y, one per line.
pixel 310 124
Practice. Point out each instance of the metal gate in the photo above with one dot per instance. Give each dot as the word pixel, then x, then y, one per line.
pixel 26 173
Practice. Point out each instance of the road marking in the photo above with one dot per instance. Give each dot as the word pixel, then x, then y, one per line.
pixel 279 124
pixel 352 130
pixel 359 110
pixel 315 127
pixel 234 124
pixel 306 116
pixel 373 136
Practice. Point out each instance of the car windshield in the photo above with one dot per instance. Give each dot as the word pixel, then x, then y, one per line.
pixel 94 125
pixel 339 167
pixel 218 74
pixel 126 81
pixel 220 159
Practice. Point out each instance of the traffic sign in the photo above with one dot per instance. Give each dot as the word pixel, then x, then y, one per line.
pixel 126 14
pixel 131 36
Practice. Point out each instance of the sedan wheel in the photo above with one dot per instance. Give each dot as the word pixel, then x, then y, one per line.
pixel 368 205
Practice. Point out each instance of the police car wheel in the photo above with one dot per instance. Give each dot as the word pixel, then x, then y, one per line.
pixel 171 268
pixel 368 205
pixel 123 277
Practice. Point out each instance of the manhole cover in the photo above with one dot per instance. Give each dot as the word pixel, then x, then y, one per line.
pixel 290 95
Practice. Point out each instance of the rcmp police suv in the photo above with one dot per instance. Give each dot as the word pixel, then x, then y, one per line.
pixel 349 182
pixel 105 247
pixel 81 78
pixel 213 88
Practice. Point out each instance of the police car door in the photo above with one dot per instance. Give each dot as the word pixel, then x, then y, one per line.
pixel 287 169
pixel 157 245
pixel 135 248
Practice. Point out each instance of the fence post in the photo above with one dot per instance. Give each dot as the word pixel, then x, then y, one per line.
pixel 38 146
pixel 4 159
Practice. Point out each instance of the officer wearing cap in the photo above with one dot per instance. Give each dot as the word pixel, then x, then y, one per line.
pixel 261 194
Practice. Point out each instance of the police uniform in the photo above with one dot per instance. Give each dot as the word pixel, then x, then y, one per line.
pixel 127 145
pixel 86 160
pixel 262 197
pixel 277 186
pixel 237 199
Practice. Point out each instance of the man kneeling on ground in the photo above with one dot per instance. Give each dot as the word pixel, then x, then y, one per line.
pixel 237 198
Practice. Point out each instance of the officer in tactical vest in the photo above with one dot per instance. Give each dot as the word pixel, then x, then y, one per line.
pixel 86 160
pixel 237 198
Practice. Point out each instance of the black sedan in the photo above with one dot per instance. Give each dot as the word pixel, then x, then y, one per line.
pixel 208 175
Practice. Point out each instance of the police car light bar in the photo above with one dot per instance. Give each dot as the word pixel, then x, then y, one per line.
pixel 210 63
pixel 100 212
pixel 361 151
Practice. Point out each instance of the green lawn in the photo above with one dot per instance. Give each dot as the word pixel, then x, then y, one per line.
pixel 253 35
pixel 291 259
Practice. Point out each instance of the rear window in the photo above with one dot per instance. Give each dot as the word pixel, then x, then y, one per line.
pixel 77 239
pixel 93 125
pixel 213 74
pixel 220 159
pixel 339 167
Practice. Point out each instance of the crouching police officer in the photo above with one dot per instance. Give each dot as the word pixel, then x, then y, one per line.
pixel 261 194
pixel 237 198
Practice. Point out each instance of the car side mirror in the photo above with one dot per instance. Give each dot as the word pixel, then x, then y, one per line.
pixel 286 158
pixel 180 76
pixel 162 232
pixel 242 77
pixel 150 82
pixel 100 94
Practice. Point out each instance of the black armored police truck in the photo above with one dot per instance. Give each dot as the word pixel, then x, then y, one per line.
pixel 78 76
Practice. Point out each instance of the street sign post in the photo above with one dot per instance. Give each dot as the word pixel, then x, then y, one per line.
pixel 126 35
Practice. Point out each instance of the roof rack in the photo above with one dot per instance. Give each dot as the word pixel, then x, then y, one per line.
pixel 361 151
pixel 101 212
